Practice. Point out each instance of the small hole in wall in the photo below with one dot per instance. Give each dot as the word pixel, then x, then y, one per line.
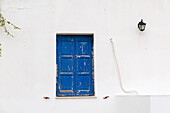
pixel 46 97
pixel 105 97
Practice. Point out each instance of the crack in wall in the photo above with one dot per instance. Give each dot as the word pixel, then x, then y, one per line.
pixel 21 8
pixel 18 8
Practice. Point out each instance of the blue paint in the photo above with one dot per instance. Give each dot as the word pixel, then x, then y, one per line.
pixel 75 66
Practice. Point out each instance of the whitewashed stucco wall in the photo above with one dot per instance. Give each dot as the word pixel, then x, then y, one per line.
pixel 27 65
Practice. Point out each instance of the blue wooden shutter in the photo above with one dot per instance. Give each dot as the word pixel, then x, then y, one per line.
pixel 65 58
pixel 84 77
pixel 75 65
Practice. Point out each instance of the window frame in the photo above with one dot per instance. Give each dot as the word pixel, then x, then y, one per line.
pixel 93 67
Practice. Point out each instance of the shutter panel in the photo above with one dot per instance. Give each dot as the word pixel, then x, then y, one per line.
pixel 84 77
pixel 65 61
pixel 74 61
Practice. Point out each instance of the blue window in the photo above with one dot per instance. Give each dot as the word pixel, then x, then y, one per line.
pixel 74 61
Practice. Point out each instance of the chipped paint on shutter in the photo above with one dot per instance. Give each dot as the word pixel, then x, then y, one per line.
pixel 74 61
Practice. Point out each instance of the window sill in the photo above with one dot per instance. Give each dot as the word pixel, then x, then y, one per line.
pixel 78 97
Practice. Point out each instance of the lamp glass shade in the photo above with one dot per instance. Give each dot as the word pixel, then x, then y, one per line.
pixel 141 25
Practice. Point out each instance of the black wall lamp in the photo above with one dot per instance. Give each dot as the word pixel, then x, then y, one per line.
pixel 141 25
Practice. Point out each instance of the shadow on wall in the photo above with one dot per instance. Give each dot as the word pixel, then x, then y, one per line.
pixel 132 104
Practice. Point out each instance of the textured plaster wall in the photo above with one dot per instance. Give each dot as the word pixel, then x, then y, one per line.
pixel 27 65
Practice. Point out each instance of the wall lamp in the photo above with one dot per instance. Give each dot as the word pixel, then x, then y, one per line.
pixel 141 25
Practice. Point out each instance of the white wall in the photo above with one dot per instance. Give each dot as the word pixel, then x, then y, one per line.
pixel 27 65
pixel 143 57
pixel 159 104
